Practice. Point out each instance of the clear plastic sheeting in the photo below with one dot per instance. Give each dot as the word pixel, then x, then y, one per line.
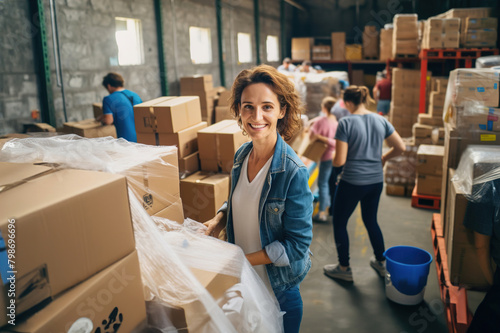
pixel 190 280
pixel 312 88
pixel 478 174
pixel 472 100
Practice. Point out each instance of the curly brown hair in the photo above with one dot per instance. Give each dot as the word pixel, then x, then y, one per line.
pixel 281 86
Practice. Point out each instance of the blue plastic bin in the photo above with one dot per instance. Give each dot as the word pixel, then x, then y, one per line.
pixel 408 267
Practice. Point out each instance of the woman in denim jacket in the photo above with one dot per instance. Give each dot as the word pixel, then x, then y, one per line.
pixel 269 210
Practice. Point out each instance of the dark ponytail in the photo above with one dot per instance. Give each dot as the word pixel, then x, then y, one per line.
pixel 357 95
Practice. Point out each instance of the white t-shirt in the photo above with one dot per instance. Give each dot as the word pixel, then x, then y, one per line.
pixel 245 212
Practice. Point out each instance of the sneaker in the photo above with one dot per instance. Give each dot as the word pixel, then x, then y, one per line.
pixel 320 217
pixel 335 272
pixel 379 266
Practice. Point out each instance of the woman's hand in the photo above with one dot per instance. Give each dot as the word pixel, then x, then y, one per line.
pixel 313 136
pixel 215 225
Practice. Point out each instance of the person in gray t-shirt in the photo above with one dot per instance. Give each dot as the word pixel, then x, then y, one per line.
pixel 359 140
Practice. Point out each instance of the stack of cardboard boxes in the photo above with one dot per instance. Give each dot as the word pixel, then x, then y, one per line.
pixel 441 33
pixel 222 110
pixel 321 52
pixel 405 100
pixel 429 170
pixel 405 35
pixel 49 256
pixel 476 28
pixel 386 44
pixel 400 171
pixel 203 193
pixel 338 46
pixel 470 95
pixel 201 86
pixel 424 132
pixel 370 42
pixel 171 121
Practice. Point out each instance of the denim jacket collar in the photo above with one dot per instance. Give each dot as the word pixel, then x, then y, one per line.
pixel 278 163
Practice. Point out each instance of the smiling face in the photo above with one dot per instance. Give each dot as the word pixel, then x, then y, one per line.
pixel 260 111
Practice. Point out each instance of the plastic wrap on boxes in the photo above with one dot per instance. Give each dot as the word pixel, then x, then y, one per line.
pixel 312 88
pixel 472 100
pixel 181 268
pixel 478 175
pixel 401 170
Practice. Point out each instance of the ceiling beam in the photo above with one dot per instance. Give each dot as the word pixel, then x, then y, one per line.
pixel 295 4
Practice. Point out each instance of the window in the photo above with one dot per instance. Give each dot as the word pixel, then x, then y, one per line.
pixel 244 48
pixel 272 49
pixel 200 45
pixel 129 40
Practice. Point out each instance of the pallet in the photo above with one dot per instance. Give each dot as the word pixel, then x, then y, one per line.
pixel 457 53
pixel 458 315
pixel 424 201
pixel 410 56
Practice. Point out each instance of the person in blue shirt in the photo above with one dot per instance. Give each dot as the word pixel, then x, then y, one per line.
pixel 118 107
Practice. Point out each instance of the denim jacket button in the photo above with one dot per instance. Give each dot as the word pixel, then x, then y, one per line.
pixel 275 209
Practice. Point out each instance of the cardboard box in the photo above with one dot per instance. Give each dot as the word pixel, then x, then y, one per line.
pixel 223 113
pixel 427 119
pixel 353 52
pixel 196 83
pixel 451 39
pixel 38 127
pixel 185 140
pixel 433 41
pixel 89 128
pixel 315 150
pixel 173 212
pixel 147 138
pixel 155 183
pixel 338 46
pixel 358 77
pixel 430 160
pixel 398 190
pixel 301 48
pixel 189 164
pixel 451 24
pixel 422 131
pixel 429 185
pixel 404 47
pixel 481 23
pixel 435 111
pixel 463 264
pixel 97 108
pixel 386 44
pixel 62 219
pixel 167 114
pixel 370 42
pixel 476 118
pixel 321 52
pixel 405 31
pixel 437 98
pixel 220 142
pixel 224 98
pixel 203 194
pixel 111 299
pixel 434 24
pixel 480 38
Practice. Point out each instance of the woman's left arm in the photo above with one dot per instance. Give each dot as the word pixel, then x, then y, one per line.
pixel 296 223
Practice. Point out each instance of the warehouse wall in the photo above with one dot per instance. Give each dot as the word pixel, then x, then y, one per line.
pixel 18 87
pixel 87 44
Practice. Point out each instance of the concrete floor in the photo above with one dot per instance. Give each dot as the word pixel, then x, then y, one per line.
pixel 336 306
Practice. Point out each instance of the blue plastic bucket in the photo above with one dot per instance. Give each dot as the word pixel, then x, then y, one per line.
pixel 408 267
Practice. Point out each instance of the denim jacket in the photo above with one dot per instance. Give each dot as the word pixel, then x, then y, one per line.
pixel 285 211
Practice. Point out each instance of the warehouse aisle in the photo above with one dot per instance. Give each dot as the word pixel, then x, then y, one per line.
pixel 336 306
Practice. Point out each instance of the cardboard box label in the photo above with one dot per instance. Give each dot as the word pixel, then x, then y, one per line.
pixel 488 137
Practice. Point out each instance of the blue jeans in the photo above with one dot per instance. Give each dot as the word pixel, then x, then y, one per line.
pixel 383 105
pixel 291 302
pixel 325 169
pixel 346 200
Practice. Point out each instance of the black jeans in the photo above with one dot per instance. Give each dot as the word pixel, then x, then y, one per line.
pixel 332 184
pixel 487 316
